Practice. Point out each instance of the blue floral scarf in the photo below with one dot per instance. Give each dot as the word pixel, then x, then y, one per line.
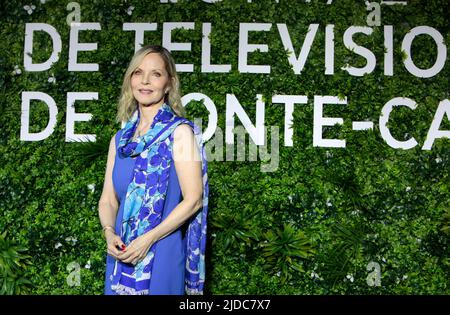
pixel 145 198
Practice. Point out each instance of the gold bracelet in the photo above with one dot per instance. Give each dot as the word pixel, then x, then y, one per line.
pixel 108 227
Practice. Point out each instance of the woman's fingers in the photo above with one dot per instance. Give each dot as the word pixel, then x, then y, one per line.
pixel 134 253
pixel 119 243
pixel 136 260
pixel 130 257
pixel 112 250
pixel 122 247
pixel 124 257
pixel 125 254
pixel 113 245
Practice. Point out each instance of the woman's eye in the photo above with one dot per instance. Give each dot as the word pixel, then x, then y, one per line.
pixel 157 74
pixel 137 72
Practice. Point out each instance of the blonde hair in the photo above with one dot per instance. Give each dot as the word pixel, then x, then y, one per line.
pixel 127 104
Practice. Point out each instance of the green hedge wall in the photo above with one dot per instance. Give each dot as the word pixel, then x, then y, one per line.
pixel 311 227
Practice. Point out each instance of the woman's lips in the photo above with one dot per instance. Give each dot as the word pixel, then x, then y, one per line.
pixel 145 91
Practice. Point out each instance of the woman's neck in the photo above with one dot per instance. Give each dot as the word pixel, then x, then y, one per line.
pixel 148 113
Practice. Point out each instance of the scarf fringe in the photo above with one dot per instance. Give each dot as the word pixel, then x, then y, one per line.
pixel 193 287
pixel 120 289
pixel 193 291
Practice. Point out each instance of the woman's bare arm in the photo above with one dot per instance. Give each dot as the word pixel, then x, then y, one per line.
pixel 109 204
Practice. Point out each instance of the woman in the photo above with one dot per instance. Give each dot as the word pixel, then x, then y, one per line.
pixel 153 206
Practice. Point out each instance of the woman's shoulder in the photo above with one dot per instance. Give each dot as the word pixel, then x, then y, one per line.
pixel 184 122
pixel 184 128
pixel 189 127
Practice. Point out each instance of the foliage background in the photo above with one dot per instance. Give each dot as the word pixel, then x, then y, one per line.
pixel 312 226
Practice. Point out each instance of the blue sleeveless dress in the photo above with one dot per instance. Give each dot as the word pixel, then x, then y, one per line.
pixel 170 252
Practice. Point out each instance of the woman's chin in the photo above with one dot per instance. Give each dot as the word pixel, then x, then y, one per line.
pixel 147 103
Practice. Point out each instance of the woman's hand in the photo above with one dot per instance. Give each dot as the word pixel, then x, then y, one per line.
pixel 113 241
pixel 137 249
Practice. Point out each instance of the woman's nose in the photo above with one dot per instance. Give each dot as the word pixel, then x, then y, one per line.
pixel 145 80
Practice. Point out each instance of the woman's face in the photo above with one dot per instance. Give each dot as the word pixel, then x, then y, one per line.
pixel 150 80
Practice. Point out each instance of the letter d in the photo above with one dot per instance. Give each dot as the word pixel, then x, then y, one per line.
pixel 28 49
pixel 25 134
